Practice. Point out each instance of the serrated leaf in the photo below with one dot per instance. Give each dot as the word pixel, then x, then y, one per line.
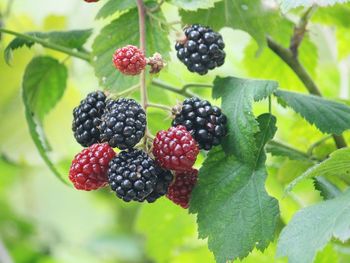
pixel 127 28
pixel 233 209
pixel 193 4
pixel 279 149
pixel 44 82
pixel 328 116
pixel 237 97
pixel 336 166
pixel 286 5
pixel 71 39
pixel 250 16
pixel 326 188
pixel 112 6
pixel 313 227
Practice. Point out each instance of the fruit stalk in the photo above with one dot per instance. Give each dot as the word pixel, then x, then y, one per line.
pixel 142 27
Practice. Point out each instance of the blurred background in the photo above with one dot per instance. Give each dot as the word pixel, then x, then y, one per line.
pixel 43 220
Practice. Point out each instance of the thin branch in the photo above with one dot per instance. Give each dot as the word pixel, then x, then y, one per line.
pixel 9 8
pixel 300 30
pixel 196 85
pixel 169 87
pixel 159 106
pixel 50 45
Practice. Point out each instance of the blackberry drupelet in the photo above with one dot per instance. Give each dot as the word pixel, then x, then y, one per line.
pixel 87 118
pixel 202 50
pixel 165 178
pixel 205 122
pixel 132 175
pixel 123 123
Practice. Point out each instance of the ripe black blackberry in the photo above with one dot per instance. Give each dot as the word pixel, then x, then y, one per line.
pixel 123 123
pixel 165 177
pixel 132 175
pixel 87 118
pixel 206 123
pixel 202 50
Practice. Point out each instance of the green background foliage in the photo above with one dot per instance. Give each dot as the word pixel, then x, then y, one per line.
pixel 276 190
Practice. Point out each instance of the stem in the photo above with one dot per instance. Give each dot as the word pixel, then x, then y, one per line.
pixel 270 105
pixel 274 143
pixel 318 143
pixel 196 85
pixel 9 8
pixel 49 45
pixel 142 26
pixel 159 106
pixel 169 87
pixel 128 91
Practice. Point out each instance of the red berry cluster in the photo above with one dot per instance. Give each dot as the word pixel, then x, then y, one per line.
pixel 175 149
pixel 89 167
pixel 129 60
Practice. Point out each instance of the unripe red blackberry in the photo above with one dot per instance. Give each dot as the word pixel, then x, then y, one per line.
pixel 165 178
pixel 129 60
pixel 89 168
pixel 175 149
pixel 181 189
pixel 206 123
pixel 133 175
pixel 123 123
pixel 87 118
pixel 201 50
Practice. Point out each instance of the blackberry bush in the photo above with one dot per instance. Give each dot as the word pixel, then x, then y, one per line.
pixel 205 122
pixel 123 123
pixel 87 118
pixel 201 50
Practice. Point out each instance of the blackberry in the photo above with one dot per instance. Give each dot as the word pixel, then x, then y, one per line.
pixel 123 123
pixel 206 123
pixel 202 50
pixel 165 177
pixel 87 118
pixel 132 175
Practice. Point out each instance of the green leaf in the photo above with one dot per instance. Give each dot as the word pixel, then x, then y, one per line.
pixel 326 188
pixel 237 98
pixel 336 166
pixel 286 5
pixel 279 149
pixel 313 227
pixel 193 4
pixel 328 116
pixel 44 82
pixel 71 39
pixel 233 209
pixel 250 16
pixel 112 7
pixel 127 28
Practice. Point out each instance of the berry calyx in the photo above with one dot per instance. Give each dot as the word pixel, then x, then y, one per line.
pixel 123 123
pixel 181 189
pixel 129 60
pixel 89 168
pixel 133 175
pixel 175 149
pixel 201 50
pixel 206 123
pixel 87 118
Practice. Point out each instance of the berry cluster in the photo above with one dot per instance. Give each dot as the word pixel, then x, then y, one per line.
pixel 102 123
pixel 201 50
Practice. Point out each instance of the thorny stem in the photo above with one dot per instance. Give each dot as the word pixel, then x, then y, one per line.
pixel 50 45
pixel 166 86
pixel 289 56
